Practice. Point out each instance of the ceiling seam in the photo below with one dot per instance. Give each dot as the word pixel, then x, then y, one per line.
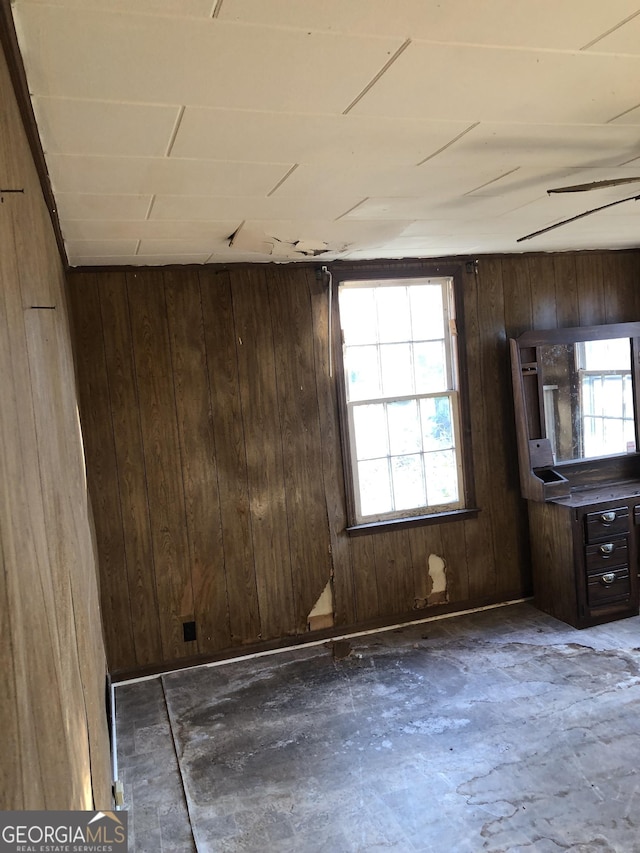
pixel 612 30
pixel 283 179
pixel 630 110
pixel 351 208
pixel 492 181
pixel 382 71
pixel 174 132
pixel 450 143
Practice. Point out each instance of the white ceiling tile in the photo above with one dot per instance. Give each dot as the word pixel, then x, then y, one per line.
pixel 86 206
pixel 332 232
pixel 95 127
pixel 525 23
pixel 161 175
pixel 421 208
pixel 181 8
pixel 456 82
pixel 104 248
pixel 429 180
pixel 179 247
pixel 188 61
pixel 100 229
pixel 211 207
pixel 296 138
pixel 552 147
pixel 138 260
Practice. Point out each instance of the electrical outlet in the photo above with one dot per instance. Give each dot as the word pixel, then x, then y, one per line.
pixel 189 631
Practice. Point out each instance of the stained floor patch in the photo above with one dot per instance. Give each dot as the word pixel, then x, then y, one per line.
pixel 498 731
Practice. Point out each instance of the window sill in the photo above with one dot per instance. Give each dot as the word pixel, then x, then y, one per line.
pixel 413 521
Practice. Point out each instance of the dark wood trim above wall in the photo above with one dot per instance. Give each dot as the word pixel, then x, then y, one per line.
pixel 11 48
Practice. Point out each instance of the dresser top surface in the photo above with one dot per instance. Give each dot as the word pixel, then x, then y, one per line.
pixel 602 493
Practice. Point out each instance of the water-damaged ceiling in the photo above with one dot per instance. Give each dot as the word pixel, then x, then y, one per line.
pixel 195 131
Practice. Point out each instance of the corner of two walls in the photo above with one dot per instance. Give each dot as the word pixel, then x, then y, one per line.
pixel 54 739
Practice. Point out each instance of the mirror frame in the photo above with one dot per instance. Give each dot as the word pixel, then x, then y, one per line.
pixel 540 477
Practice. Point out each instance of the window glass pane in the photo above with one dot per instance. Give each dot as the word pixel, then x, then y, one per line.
pixel 370 427
pixel 614 354
pixel 628 397
pixel 442 477
pixel 363 374
pixel 408 482
pixel 404 427
pixel 430 367
pixel 614 436
pixel 437 425
pixel 397 374
pixel 375 487
pixel 358 315
pixel 394 319
pixel 629 436
pixel 612 393
pixel 427 316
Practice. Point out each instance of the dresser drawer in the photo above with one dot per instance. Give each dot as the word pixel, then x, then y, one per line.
pixel 608 587
pixel 606 555
pixel 606 523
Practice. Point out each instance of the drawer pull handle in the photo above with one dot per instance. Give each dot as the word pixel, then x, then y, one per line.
pixel 607 549
pixel 608 517
pixel 608 578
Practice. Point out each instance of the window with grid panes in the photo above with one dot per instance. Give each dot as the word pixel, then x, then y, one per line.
pixel 402 397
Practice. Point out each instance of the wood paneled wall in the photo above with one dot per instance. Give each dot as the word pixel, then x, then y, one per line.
pixel 54 742
pixel 211 431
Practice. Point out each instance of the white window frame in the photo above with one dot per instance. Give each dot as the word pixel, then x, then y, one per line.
pixel 452 392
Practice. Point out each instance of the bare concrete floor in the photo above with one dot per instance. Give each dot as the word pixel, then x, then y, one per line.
pixel 503 730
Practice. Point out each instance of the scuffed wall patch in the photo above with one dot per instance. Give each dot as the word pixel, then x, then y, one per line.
pixel 434 590
pixel 321 616
pixel 438 575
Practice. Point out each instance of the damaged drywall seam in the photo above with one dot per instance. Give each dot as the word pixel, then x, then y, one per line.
pixel 437 584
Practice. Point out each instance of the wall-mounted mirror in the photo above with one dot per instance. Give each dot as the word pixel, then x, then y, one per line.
pixel 575 394
pixel 588 398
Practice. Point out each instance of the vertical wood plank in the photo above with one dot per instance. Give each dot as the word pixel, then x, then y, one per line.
pixel 590 289
pixel 478 531
pixel 199 469
pixel 127 433
pixel 394 572
pixel 496 376
pixel 162 459
pixel 620 286
pixel 261 417
pixel 231 459
pixel 568 307
pixel 307 521
pixel 367 603
pixel 516 283
pixel 543 291
pixel 454 552
pixel 103 470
